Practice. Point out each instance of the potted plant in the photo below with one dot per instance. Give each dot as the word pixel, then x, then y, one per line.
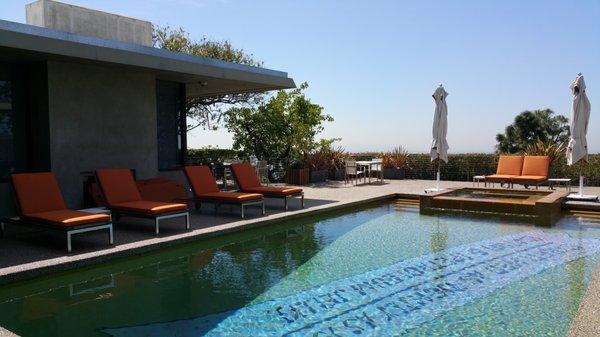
pixel 319 164
pixel 338 157
pixel 297 174
pixel 394 163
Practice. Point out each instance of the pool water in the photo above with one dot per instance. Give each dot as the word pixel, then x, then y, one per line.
pixel 380 270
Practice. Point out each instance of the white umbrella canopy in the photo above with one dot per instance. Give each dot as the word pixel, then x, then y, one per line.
pixel 580 115
pixel 439 145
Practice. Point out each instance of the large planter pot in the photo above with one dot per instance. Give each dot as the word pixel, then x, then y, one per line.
pixel 297 176
pixel 318 176
pixel 336 174
pixel 394 173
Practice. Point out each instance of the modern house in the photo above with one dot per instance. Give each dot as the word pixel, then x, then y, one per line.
pixel 82 89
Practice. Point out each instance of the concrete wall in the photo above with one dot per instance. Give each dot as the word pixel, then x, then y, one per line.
pixel 80 20
pixel 100 117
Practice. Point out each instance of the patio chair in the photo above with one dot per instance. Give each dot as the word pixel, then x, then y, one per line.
pixel 377 168
pixel 248 182
pixel 124 199
pixel 508 168
pixel 40 204
pixel 535 171
pixel 205 190
pixel 352 171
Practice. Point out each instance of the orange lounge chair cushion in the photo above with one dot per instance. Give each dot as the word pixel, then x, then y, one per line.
pixel 161 189
pixel 500 177
pixel 201 180
pixel 37 192
pixel 529 178
pixel 231 196
pixel 118 186
pixel 536 166
pixel 274 191
pixel 67 217
pixel 149 207
pixel 245 176
pixel 510 165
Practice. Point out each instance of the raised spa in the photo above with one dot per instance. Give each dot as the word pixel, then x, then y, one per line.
pixel 544 206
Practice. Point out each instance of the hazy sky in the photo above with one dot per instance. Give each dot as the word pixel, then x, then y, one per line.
pixel 374 65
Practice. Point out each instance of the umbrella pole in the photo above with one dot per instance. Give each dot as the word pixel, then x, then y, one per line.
pixel 438 173
pixel 580 180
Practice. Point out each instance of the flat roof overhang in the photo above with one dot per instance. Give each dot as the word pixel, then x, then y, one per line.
pixel 219 77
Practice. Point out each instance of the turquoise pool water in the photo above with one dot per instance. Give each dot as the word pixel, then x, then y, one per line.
pixel 382 270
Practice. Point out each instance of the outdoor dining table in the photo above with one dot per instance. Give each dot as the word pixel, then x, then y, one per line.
pixel 368 166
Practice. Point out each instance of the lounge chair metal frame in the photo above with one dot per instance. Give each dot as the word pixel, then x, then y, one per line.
pixel 68 231
pixel 199 200
pixel 118 213
pixel 286 197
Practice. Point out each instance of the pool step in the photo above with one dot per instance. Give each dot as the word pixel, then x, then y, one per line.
pixel 407 205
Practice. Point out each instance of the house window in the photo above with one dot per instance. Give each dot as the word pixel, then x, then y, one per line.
pixel 171 124
pixel 13 134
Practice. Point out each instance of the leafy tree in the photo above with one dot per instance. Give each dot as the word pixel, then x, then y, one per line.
pixel 208 112
pixel 280 129
pixel 530 127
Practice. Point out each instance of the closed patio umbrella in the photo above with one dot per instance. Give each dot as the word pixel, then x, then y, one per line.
pixel 439 145
pixel 580 116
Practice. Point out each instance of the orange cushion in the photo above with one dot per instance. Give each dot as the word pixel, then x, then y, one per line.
pixel 500 177
pixel 274 191
pixel 201 179
pixel 230 196
pixel 245 176
pixel 530 178
pixel 510 165
pixel 161 189
pixel 67 217
pixel 37 192
pixel 118 185
pixel 149 207
pixel 536 166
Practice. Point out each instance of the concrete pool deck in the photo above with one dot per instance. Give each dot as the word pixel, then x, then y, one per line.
pixel 27 253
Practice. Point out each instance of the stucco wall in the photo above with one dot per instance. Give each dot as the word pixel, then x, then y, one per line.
pixel 100 117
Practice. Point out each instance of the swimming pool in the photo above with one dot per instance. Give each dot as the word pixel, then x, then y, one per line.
pixel 380 270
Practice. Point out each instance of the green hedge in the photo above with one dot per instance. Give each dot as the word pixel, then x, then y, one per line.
pixel 210 155
pixel 462 167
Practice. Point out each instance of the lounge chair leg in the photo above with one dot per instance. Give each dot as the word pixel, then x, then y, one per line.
pixel 68 242
pixel 302 200
pixel 111 239
pixel 187 221
pixel 263 207
pixel 156 230
pixel 285 203
pixel 242 211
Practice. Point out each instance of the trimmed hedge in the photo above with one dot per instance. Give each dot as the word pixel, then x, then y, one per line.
pixel 462 167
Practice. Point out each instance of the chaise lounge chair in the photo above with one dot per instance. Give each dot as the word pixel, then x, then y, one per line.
pixel 248 182
pixel 205 189
pixel 508 168
pixel 40 203
pixel 535 171
pixel 124 199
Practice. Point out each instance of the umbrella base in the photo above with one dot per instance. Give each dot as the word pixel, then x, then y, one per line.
pixel 433 189
pixel 582 197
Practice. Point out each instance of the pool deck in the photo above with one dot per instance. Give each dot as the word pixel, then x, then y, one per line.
pixel 27 253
